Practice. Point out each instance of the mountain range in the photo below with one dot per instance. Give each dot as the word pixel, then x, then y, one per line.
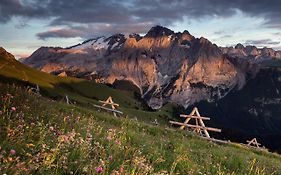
pixel 163 66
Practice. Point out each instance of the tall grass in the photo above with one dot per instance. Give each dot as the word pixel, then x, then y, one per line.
pixel 41 136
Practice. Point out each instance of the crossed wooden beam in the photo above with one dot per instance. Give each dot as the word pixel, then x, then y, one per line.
pixel 253 142
pixel 199 126
pixel 109 102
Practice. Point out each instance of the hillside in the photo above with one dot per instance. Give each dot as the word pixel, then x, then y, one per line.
pixel 41 136
pixel 79 91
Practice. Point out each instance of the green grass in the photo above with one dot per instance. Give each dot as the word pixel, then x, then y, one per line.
pixel 51 137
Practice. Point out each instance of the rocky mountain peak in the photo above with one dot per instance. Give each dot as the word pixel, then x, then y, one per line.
pixel 6 54
pixel 239 46
pixel 185 32
pixel 185 36
pixel 251 52
pixel 159 31
pixel 206 48
pixel 205 41
pixel 135 35
pixel 120 38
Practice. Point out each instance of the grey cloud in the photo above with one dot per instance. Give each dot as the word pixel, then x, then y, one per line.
pixel 59 33
pixel 30 9
pixel 220 32
pixel 262 42
pixel 226 36
pixel 127 12
pixel 91 31
pixel 124 11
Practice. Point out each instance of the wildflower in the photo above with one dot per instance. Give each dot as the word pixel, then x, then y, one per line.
pixel 109 138
pixel 110 157
pixel 12 152
pixel 99 169
pixel 20 126
pixel 1 112
pixel 78 118
pixel 51 128
pixel 118 142
pixel 13 108
pixel 64 138
pixel 32 124
pixel 66 118
pixel 121 169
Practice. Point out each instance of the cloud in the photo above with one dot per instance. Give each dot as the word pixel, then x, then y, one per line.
pixel 124 13
pixel 277 33
pixel 261 42
pixel 59 33
pixel 22 8
pixel 90 31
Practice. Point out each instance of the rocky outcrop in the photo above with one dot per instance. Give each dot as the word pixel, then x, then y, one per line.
pixel 164 65
pixel 6 55
pixel 251 52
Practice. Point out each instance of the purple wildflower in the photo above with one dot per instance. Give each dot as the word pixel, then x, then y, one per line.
pixel 12 152
pixel 13 108
pixel 99 169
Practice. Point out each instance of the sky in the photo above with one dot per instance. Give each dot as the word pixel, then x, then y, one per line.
pixel 26 25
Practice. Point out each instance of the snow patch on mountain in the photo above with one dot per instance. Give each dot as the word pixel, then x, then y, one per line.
pixel 97 44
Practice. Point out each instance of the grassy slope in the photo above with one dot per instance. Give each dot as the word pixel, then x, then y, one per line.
pixel 81 91
pixel 77 89
pixel 50 137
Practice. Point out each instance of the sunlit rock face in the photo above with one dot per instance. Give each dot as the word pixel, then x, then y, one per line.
pixel 251 53
pixel 164 65
pixel 6 55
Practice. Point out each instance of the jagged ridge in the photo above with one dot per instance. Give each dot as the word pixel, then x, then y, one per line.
pixel 164 65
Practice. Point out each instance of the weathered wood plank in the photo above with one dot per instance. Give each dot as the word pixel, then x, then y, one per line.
pixel 249 142
pixel 108 103
pixel 194 126
pixel 253 142
pixel 196 117
pixel 108 109
pixel 202 124
pixel 205 130
pixel 187 120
